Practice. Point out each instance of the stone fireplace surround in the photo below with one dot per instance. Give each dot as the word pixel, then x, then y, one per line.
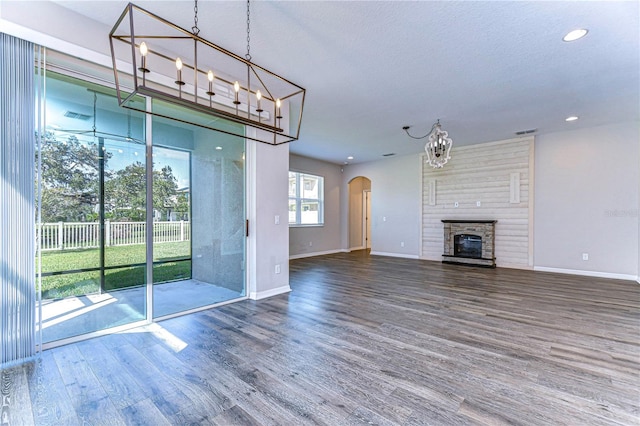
pixel 486 229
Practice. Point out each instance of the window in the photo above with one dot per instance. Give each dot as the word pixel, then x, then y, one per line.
pixel 306 199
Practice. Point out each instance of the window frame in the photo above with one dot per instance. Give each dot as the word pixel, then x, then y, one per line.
pixel 299 200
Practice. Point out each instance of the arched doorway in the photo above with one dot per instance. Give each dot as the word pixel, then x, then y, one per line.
pixel 359 213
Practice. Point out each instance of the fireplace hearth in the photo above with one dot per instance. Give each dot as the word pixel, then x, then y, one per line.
pixel 469 242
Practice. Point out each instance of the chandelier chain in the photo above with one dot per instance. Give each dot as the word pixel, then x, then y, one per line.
pixel 248 55
pixel 195 28
pixel 95 102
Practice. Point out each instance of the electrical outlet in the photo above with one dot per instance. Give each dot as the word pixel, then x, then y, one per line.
pixel 277 268
pixel 384 218
pixel 277 219
pixel 401 243
pixel 585 256
pixel 310 243
pixel 478 203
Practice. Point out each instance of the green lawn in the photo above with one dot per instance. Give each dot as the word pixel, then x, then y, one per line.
pixel 79 283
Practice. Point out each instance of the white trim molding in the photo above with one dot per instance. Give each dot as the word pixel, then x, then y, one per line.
pixel 269 293
pixel 317 253
pixel 586 273
pixel 403 255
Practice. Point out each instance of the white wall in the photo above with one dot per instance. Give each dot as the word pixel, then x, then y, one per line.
pixel 586 200
pixel 268 243
pixel 324 238
pixel 32 20
pixel 396 197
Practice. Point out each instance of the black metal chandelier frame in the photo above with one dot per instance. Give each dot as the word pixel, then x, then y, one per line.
pixel 264 101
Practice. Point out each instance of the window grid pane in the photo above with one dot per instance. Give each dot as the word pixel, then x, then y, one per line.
pixel 306 199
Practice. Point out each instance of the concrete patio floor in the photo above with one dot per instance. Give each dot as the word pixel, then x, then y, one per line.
pixel 73 316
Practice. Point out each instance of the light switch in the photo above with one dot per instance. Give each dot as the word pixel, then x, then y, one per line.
pixel 277 219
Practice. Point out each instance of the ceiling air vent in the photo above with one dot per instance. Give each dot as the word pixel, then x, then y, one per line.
pixel 391 154
pixel 526 132
pixel 77 115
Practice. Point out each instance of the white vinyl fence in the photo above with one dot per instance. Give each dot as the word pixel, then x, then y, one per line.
pixel 77 235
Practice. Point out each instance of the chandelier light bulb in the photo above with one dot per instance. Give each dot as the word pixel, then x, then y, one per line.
pixel 258 107
pixel 236 87
pixel 179 81
pixel 143 66
pixel 278 103
pixel 210 91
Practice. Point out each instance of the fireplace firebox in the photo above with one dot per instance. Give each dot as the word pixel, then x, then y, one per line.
pixel 465 245
pixel 470 242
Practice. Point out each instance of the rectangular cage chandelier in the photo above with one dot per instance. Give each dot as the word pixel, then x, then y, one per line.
pixel 210 86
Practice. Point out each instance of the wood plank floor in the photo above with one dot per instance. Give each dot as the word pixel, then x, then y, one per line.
pixel 360 340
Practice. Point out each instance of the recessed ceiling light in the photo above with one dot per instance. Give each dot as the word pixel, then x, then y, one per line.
pixel 575 35
pixel 350 157
pixel 572 118
pixel 218 148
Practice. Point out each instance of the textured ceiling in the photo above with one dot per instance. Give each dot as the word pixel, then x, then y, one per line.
pixel 485 69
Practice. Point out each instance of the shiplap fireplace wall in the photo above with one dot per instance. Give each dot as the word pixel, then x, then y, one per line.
pixel 489 181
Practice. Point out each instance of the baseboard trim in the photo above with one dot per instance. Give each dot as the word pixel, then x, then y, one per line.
pixel 406 256
pixel 586 273
pixel 316 253
pixel 269 293
pixel 515 266
pixel 356 248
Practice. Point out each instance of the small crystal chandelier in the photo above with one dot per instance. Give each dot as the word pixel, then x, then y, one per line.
pixel 438 146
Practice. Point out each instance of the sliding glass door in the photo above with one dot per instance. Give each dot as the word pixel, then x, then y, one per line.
pixel 204 173
pixel 119 229
pixel 92 210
